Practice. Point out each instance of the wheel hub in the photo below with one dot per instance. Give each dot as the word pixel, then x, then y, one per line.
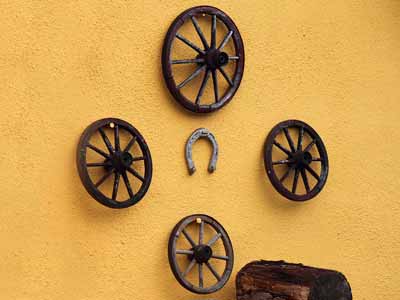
pixel 119 161
pixel 215 59
pixel 202 253
pixel 222 59
pixel 301 159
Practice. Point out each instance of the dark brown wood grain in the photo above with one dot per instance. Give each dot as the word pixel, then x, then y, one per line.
pixel 278 280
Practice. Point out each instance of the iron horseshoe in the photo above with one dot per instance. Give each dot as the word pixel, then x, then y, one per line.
pixel 201 133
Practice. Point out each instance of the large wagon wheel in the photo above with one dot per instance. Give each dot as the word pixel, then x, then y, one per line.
pixel 298 160
pixel 210 59
pixel 200 253
pixel 116 162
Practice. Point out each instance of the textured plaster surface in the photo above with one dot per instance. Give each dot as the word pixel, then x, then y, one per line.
pixel 64 64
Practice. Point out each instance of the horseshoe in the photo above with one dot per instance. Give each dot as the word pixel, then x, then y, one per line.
pixel 197 134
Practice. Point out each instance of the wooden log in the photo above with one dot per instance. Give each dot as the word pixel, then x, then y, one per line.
pixel 278 280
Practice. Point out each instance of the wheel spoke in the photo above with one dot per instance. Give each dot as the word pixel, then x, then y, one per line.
pixel 282 148
pixel 233 57
pixel 136 174
pixel 317 159
pixel 312 172
pixel 213 31
pixel 199 32
pixel 221 69
pixel 214 239
pixel 309 146
pixel 188 237
pixel 286 174
pixel 189 268
pixel 128 184
pixel 201 232
pixel 295 180
pixel 289 139
pixel 201 279
pixel 300 139
pixel 203 86
pixel 221 257
pixel 106 140
pixel 130 144
pixel 215 273
pixel 226 40
pixel 116 184
pixel 282 162
pixel 305 180
pixel 97 165
pixel 138 158
pixel 99 151
pixel 116 138
pixel 189 43
pixel 187 61
pixel 102 179
pixel 191 77
pixel 184 252
pixel 215 82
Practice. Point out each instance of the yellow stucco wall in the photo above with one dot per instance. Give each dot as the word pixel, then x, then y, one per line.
pixel 64 64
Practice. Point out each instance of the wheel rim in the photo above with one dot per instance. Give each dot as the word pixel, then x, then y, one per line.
pixel 210 59
pixel 114 160
pixel 201 253
pixel 299 160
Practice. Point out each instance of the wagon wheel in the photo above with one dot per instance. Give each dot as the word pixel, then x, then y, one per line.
pixel 298 160
pixel 200 254
pixel 208 59
pixel 116 163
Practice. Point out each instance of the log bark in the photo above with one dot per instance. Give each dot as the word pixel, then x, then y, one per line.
pixel 278 280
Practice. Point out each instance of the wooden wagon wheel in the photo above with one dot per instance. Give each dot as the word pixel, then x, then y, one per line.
pixel 298 160
pixel 116 160
pixel 210 59
pixel 201 253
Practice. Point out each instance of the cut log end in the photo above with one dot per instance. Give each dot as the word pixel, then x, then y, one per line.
pixel 278 280
pixel 331 287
